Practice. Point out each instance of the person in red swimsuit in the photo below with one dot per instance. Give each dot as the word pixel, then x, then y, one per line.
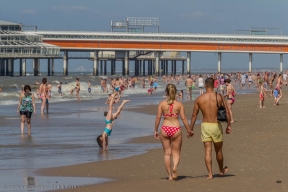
pixel 171 134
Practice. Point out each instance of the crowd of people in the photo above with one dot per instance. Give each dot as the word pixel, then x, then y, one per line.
pixel 214 90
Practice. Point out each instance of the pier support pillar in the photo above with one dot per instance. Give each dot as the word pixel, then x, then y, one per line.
pixel 166 67
pixel 219 62
pixel 49 67
pixel 65 63
pixel 149 67
pixel 23 63
pixel 143 68
pixel 52 67
pixel 153 68
pixel 126 63
pixel 172 67
pixel 182 67
pixel 175 65
pixel 36 67
pixel 101 67
pixel 157 65
pixel 10 67
pixel 188 62
pixel 281 63
pixel 2 67
pixel 123 67
pixel 105 67
pixel 113 65
pixel 140 67
pixel 20 67
pixel 95 64
pixel 250 62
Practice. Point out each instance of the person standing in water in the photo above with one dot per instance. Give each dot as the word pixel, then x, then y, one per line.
pixel 77 88
pixel 60 88
pixel 200 84
pixel 44 95
pixel 171 134
pixel 211 129
pixel 26 106
pixel 89 87
pixel 102 140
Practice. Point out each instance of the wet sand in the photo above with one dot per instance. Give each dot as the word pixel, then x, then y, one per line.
pixel 255 152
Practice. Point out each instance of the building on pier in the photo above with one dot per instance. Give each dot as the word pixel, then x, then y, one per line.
pixel 15 44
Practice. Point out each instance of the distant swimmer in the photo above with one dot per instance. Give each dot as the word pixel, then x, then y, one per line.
pixel 26 107
pixel 102 140
pixel 77 88
pixel 211 129
pixel 89 87
pixel 170 133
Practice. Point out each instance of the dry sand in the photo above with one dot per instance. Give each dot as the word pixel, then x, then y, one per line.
pixel 255 152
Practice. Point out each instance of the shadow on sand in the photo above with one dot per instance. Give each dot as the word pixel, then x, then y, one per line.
pixel 203 176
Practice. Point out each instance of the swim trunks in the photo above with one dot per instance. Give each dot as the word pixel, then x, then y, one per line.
pixel 89 90
pixel 211 132
pixel 189 88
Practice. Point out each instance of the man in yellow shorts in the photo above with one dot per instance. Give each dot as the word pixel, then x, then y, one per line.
pixel 211 129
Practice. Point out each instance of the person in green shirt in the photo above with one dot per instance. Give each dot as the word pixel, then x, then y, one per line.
pixel 26 107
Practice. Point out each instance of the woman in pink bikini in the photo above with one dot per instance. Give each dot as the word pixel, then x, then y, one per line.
pixel 171 134
pixel 43 95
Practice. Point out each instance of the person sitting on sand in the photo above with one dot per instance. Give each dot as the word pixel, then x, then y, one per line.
pixel 171 134
pixel 211 129
pixel 102 140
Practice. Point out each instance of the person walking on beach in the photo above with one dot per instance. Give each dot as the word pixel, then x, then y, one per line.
pixel 77 88
pixel 188 84
pixel 171 134
pixel 200 84
pixel 230 94
pixel 44 95
pixel 102 140
pixel 262 94
pixel 26 106
pixel 211 129
pixel 278 87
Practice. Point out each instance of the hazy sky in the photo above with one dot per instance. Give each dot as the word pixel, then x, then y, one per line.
pixel 196 16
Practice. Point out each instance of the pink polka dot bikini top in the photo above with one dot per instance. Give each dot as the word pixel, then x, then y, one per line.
pixel 170 110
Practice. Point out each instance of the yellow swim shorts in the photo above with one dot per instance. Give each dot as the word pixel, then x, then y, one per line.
pixel 211 132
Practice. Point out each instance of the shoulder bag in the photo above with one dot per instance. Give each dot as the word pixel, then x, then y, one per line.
pixel 221 113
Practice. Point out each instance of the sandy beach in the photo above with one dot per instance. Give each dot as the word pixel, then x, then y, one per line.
pixel 255 153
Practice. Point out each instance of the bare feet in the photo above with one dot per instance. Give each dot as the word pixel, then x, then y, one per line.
pixel 209 177
pixel 175 174
pixel 224 171
pixel 125 101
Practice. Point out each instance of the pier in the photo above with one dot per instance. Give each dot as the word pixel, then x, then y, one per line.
pixel 129 43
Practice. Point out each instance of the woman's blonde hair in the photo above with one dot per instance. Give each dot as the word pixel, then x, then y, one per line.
pixel 171 93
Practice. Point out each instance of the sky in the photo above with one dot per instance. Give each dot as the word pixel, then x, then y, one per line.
pixel 193 16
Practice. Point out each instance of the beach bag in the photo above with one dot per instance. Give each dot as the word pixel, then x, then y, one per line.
pixel 221 113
